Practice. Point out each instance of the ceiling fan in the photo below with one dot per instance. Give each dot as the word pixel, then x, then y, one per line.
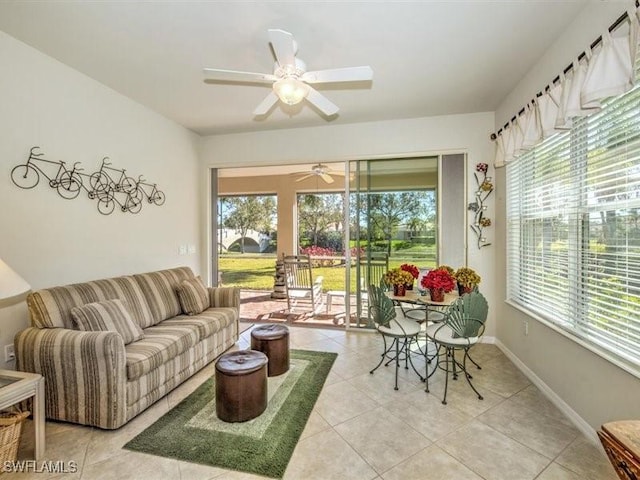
pixel 290 80
pixel 319 170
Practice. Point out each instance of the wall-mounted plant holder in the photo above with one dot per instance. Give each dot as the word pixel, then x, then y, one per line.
pixel 480 219
pixel 109 186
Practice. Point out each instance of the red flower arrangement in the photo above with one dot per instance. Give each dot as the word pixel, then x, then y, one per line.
pixel 412 269
pixel 438 279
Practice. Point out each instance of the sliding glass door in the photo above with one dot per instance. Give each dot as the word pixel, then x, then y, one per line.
pixel 392 220
pixel 356 222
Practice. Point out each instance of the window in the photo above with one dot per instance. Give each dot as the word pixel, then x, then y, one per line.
pixel 573 214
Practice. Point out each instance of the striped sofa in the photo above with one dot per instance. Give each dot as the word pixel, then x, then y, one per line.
pixel 92 377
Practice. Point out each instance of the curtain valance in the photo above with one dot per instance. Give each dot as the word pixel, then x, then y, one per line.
pixel 604 71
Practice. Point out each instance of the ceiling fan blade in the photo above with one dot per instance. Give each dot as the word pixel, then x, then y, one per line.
pixel 266 105
pixel 336 173
pixel 348 74
pixel 283 47
pixel 304 177
pixel 237 76
pixel 327 178
pixel 321 102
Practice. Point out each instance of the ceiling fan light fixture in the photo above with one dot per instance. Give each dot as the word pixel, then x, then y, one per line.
pixel 290 90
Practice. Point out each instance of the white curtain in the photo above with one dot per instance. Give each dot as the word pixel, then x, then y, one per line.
pixel 608 71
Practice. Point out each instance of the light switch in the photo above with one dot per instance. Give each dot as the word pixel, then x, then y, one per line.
pixel 182 250
pixel 192 249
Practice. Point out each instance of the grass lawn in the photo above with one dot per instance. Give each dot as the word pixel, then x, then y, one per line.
pixel 256 273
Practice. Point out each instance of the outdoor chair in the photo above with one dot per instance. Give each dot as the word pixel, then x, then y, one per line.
pixel 400 331
pixel 459 331
pixel 372 270
pixel 301 288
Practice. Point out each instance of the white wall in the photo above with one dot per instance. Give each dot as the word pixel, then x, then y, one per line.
pixel 51 241
pixel 594 389
pixel 432 135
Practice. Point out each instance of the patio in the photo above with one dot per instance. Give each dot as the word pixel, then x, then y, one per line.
pixel 258 306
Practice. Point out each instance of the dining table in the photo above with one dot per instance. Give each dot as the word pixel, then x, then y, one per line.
pixel 415 297
pixel 431 308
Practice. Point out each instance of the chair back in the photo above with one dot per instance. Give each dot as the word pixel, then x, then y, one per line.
pixel 298 274
pixel 467 315
pixel 373 268
pixel 380 306
pixel 476 304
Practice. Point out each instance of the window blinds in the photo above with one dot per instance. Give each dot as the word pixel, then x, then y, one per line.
pixel 573 214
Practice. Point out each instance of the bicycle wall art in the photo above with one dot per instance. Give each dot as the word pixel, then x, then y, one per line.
pixel 109 186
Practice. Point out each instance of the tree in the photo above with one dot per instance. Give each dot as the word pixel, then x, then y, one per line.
pixel 388 210
pixel 318 212
pixel 421 218
pixel 248 213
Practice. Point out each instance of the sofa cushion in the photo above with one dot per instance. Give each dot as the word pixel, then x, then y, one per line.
pixel 107 316
pixel 160 344
pixel 51 307
pixel 208 322
pixel 193 296
pixel 159 288
pixel 224 297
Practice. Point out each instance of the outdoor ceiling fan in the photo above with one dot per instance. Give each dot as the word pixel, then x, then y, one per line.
pixel 319 170
pixel 290 79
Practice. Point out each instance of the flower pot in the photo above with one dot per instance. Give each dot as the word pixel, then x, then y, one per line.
pixel 399 290
pixel 437 294
pixel 462 289
pixel 409 286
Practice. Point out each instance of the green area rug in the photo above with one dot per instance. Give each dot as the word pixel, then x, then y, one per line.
pixel 192 432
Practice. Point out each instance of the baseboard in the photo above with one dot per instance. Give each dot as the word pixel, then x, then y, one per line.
pixel 573 416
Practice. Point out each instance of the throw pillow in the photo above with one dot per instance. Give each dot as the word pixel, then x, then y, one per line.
pixel 111 316
pixel 193 296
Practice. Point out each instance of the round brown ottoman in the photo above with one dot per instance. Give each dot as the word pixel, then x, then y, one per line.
pixel 241 385
pixel 273 341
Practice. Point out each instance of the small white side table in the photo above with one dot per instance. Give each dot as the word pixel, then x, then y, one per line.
pixel 18 386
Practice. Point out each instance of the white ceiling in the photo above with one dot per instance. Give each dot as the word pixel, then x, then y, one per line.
pixel 428 58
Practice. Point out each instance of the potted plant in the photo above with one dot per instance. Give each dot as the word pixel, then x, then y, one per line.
pixel 413 270
pixel 399 279
pixel 438 282
pixel 447 268
pixel 467 279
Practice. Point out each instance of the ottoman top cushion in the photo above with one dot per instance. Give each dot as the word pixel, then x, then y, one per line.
pixel 270 332
pixel 241 362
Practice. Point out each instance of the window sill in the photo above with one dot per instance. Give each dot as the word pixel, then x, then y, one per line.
pixel 627 366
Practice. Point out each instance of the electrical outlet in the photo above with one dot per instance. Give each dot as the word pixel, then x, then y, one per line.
pixel 526 328
pixel 9 354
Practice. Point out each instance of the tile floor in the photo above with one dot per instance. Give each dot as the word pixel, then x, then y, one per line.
pixel 362 429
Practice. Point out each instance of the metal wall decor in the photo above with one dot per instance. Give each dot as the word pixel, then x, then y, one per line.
pixel 110 186
pixel 480 220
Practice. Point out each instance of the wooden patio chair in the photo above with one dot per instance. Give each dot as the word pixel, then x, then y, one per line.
pixel 300 285
pixel 373 269
pixel 372 272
